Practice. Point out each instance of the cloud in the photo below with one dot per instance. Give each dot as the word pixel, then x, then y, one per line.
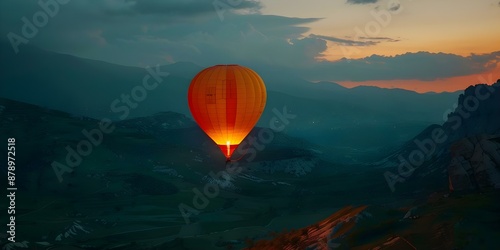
pixel 394 7
pixel 424 66
pixel 152 31
pixel 155 32
pixel 175 7
pixel 368 41
pixel 380 39
pixel 361 1
pixel 344 42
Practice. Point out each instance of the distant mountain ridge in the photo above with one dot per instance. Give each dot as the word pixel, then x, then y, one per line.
pixel 328 113
pixel 88 87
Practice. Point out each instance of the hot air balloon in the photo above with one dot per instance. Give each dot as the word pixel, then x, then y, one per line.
pixel 227 101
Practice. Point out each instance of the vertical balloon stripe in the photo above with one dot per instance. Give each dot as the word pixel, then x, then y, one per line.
pixel 219 108
pixel 205 106
pixel 242 103
pixel 231 100
pixel 253 101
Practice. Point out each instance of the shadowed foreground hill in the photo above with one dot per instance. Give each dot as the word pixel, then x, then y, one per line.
pixel 125 193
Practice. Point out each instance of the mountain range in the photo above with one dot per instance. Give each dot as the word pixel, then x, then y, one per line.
pixel 328 113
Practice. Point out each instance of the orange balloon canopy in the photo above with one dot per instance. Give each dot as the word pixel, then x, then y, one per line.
pixel 226 101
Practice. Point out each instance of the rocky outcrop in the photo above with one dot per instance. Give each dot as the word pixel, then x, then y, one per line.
pixel 476 114
pixel 323 235
pixel 475 163
pixel 395 242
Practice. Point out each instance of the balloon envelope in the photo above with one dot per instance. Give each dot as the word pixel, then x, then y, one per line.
pixel 227 101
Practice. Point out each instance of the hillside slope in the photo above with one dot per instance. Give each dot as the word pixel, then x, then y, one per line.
pixel 425 158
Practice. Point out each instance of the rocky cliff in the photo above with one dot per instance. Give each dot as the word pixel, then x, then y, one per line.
pixel 475 163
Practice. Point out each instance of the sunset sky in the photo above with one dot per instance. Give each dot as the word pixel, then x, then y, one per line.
pixel 450 26
pixel 460 27
pixel 421 45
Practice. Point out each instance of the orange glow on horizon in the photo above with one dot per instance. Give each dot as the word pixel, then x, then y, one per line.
pixel 450 84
